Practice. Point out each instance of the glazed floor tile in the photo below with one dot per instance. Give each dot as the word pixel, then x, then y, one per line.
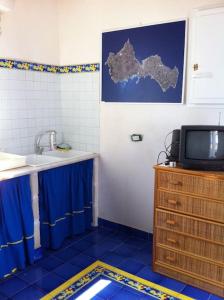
pixel 110 245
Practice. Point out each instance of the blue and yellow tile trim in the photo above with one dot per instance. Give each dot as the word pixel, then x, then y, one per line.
pixel 97 269
pixel 29 66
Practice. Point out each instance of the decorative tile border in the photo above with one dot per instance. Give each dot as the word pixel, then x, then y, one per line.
pixel 79 68
pixel 29 66
pixel 98 268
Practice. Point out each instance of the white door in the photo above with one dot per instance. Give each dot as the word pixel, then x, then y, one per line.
pixel 207 57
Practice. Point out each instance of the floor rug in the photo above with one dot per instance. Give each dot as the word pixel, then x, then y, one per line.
pixel 80 285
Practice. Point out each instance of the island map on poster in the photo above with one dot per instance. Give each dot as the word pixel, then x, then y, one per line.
pixel 144 64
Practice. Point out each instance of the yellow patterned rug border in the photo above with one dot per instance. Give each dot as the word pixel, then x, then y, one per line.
pixel 115 274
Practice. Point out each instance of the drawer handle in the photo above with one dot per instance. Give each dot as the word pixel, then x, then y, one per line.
pixel 170 222
pixel 171 241
pixel 171 259
pixel 174 202
pixel 176 183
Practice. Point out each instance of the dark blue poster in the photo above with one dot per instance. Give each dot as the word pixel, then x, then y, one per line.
pixel 144 64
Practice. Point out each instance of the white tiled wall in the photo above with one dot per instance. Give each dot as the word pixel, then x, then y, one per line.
pixel 80 110
pixel 32 102
pixel 29 103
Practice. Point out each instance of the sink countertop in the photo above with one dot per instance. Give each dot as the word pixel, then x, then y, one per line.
pixel 29 170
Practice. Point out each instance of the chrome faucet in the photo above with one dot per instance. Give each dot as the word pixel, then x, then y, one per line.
pixel 52 141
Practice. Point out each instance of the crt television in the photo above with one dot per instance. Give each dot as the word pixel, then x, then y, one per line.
pixel 202 147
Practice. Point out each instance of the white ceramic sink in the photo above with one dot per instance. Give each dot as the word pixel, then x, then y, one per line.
pixel 70 154
pixel 35 160
pixel 11 161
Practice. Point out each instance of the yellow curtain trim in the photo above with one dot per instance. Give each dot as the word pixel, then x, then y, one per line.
pixel 74 212
pixel 29 237
pixel 17 242
pixel 56 221
pixel 13 271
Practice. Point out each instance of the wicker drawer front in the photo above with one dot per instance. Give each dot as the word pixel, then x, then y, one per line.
pixel 188 225
pixel 200 207
pixel 190 264
pixel 197 185
pixel 205 284
pixel 190 245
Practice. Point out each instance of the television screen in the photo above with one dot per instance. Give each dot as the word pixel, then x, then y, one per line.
pixel 204 145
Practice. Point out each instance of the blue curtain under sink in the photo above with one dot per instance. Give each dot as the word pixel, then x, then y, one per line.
pixel 65 198
pixel 16 225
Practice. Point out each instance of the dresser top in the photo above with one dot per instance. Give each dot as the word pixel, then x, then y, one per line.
pixel 180 170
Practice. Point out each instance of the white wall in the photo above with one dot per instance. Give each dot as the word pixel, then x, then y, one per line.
pixel 30 32
pixel 80 110
pixel 30 103
pixel 126 179
pixel 33 102
pixel 83 21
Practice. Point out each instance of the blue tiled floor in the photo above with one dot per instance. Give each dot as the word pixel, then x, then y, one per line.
pixel 118 248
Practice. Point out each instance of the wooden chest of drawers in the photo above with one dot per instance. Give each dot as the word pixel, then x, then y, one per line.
pixel 189 227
